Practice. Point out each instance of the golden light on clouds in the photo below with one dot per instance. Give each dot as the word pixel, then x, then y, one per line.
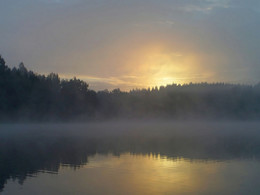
pixel 159 67
pixel 149 65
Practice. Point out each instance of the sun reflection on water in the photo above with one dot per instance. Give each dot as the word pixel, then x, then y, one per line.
pixel 156 174
pixel 130 173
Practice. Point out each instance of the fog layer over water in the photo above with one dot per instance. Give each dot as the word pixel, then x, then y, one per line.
pixel 148 157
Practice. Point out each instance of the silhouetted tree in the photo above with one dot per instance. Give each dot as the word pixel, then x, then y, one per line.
pixel 25 94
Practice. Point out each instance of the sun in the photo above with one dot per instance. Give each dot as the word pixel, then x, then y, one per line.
pixel 163 81
pixel 161 69
pixel 161 66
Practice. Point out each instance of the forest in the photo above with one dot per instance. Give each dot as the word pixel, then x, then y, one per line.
pixel 28 96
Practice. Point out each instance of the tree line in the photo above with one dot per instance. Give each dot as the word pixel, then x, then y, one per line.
pixel 25 95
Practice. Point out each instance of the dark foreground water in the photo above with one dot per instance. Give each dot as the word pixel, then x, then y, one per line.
pixel 131 158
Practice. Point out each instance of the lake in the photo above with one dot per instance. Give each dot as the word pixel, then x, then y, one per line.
pixel 130 157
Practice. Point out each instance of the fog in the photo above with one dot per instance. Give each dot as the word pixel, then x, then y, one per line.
pixel 26 149
pixel 167 79
pixel 28 96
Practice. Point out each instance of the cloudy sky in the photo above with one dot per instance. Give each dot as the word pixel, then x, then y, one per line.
pixel 134 43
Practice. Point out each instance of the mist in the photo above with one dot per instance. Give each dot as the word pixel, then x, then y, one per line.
pixel 129 97
pixel 28 96
pixel 29 149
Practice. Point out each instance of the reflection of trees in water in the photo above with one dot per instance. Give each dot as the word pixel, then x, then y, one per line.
pixel 21 157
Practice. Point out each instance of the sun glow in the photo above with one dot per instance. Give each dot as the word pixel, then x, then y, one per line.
pixel 164 81
pixel 150 66
pixel 162 68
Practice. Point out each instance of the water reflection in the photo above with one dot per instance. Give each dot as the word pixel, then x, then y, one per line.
pixel 144 174
pixel 150 158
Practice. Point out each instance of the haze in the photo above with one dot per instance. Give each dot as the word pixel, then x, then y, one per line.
pixel 134 43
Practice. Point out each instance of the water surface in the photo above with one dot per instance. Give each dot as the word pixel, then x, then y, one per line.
pixel 130 158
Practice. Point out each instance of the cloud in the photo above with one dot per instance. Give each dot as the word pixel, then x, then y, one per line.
pixel 106 39
pixel 206 7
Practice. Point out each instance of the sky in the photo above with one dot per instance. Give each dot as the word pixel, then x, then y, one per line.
pixel 130 44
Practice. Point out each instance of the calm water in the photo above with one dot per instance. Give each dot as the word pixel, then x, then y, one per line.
pixel 131 158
